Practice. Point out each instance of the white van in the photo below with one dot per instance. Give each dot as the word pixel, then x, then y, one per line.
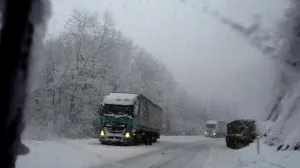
pixel 214 128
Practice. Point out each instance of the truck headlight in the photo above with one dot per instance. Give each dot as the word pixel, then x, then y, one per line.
pixel 214 133
pixel 205 132
pixel 102 132
pixel 127 135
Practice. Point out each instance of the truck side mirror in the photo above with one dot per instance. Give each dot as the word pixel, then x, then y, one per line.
pixel 136 110
pixel 100 110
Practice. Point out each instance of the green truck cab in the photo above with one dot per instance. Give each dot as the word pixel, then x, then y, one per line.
pixel 129 118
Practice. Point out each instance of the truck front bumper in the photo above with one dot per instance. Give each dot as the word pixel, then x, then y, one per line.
pixel 115 140
pixel 210 134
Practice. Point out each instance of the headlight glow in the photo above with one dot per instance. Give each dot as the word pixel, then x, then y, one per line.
pixel 214 133
pixel 102 132
pixel 127 135
pixel 205 132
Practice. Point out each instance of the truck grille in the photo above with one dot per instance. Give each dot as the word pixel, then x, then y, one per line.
pixel 114 137
pixel 115 128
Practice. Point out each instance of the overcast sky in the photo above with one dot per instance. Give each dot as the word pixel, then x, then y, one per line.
pixel 206 57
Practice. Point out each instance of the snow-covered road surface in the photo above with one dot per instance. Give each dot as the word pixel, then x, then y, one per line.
pixel 189 155
pixel 87 153
pixel 169 152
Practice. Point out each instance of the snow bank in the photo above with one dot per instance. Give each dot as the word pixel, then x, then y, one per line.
pixel 248 158
pixel 264 127
pixel 50 154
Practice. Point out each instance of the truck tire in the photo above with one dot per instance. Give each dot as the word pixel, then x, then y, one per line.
pixel 145 139
pixel 134 142
pixel 149 140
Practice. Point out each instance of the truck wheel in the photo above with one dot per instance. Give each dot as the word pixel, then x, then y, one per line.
pixel 149 140
pixel 145 139
pixel 134 142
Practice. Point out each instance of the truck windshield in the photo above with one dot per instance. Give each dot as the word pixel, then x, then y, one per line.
pixel 117 109
pixel 210 125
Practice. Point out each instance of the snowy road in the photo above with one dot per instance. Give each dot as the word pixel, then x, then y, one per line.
pixel 188 155
pixel 168 152
pixel 89 153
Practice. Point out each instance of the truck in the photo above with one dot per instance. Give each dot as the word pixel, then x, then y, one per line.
pixel 129 118
pixel 215 128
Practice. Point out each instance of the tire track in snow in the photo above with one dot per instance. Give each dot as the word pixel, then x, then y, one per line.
pixel 187 155
pixel 180 160
pixel 156 153
pixel 170 158
pixel 163 150
pixel 177 155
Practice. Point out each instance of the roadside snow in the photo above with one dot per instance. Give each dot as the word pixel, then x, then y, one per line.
pixel 248 158
pixel 50 154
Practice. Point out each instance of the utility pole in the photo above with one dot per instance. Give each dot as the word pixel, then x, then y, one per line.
pixel 258 145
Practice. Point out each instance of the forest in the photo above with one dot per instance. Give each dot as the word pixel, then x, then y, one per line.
pixel 91 58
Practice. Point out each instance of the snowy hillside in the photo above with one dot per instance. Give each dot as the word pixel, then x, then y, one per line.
pixel 286 110
pixel 280 45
